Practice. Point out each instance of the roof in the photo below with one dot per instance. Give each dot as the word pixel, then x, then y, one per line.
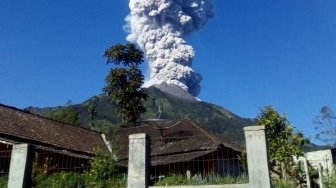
pixel 23 126
pixel 171 141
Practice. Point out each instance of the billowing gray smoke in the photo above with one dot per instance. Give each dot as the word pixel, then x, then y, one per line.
pixel 159 27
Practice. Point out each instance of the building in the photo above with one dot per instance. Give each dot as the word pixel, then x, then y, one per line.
pixel 180 146
pixel 61 146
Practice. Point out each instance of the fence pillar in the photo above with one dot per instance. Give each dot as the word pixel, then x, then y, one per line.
pixel 257 157
pixel 320 172
pixel 138 161
pixel 20 168
pixel 305 163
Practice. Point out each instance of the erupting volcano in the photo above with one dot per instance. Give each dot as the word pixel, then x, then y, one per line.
pixel 159 27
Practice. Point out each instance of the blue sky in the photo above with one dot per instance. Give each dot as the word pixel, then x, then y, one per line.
pixel 251 54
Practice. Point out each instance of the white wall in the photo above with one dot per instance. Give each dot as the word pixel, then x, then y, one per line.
pixel 322 156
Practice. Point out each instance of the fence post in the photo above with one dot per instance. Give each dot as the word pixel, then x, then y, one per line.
pixel 305 163
pixel 257 157
pixel 20 167
pixel 138 161
pixel 320 172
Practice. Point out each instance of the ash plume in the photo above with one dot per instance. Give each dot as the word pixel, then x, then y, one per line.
pixel 159 27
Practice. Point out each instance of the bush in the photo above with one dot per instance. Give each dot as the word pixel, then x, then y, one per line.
pixel 102 167
pixel 60 179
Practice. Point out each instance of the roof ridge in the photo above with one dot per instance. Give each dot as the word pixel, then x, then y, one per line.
pixel 126 128
pixel 215 138
pixel 40 116
pixel 42 143
pixel 147 125
pixel 207 133
pixel 24 125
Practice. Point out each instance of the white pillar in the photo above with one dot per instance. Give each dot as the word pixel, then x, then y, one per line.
pixel 305 163
pixel 20 166
pixel 138 161
pixel 257 157
pixel 320 172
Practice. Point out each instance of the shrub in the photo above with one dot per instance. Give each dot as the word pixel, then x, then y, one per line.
pixel 60 179
pixel 102 167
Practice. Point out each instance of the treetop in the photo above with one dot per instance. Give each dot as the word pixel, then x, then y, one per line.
pixel 127 55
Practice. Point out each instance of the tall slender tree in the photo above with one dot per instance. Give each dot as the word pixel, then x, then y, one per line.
pixel 92 115
pixel 325 124
pixel 123 83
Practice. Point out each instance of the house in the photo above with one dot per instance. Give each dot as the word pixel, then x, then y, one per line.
pixel 181 146
pixel 57 142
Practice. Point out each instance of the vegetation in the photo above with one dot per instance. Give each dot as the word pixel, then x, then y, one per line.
pixel 92 115
pixel 242 157
pixel 75 179
pixel 60 179
pixel 102 167
pixel 281 183
pixel 3 181
pixel 330 182
pixel 210 116
pixel 103 173
pixel 66 115
pixel 211 179
pixel 123 83
pixel 325 124
pixel 283 142
pixel 299 174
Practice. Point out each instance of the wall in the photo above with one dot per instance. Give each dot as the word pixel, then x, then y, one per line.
pixel 324 157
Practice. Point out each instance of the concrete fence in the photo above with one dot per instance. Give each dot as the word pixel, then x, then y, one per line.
pixel 257 158
pixel 139 163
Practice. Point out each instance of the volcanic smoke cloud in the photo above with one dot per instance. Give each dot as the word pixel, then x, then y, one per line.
pixel 159 27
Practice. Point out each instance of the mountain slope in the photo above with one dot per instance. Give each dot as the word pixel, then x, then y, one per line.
pixel 210 116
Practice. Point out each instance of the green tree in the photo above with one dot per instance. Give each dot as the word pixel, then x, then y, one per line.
pixel 66 115
pixel 123 83
pixel 283 142
pixel 325 124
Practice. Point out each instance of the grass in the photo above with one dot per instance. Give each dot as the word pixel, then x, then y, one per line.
pixel 283 184
pixel 330 182
pixel 212 179
pixel 72 179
